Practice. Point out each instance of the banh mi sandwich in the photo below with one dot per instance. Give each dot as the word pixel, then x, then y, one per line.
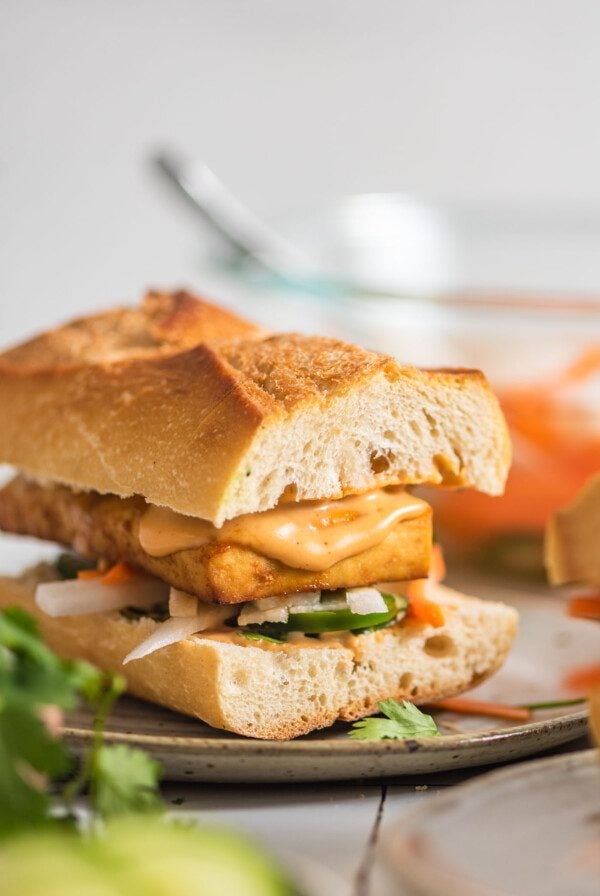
pixel 572 545
pixel 572 557
pixel 236 499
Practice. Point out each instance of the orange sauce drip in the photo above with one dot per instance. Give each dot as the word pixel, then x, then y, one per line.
pixel 312 535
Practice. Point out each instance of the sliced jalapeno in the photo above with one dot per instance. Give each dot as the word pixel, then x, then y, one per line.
pixel 343 620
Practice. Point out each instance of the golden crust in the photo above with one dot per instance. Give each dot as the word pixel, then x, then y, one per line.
pixel 292 368
pixel 102 527
pixel 133 426
pixel 180 401
pixel 164 323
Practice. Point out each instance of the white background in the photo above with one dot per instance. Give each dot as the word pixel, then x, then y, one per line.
pixel 291 103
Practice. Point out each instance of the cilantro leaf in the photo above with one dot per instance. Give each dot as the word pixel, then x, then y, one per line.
pixel 402 721
pixel 29 756
pixel 124 780
pixel 32 677
pixel 30 673
pixel 21 805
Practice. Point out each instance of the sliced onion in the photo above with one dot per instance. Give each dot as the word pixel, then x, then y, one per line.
pixel 267 603
pixel 251 614
pixel 363 601
pixel 178 629
pixel 76 597
pixel 182 604
pixel 304 601
pixel 336 602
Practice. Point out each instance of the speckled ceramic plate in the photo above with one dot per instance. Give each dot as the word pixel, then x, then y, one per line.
pixel 529 830
pixel 549 643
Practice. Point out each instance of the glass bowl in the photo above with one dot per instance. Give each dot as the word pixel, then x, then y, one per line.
pixel 514 292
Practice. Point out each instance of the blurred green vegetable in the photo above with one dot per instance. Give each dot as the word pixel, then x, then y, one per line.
pixel 134 857
pixel 40 854
pixel 32 679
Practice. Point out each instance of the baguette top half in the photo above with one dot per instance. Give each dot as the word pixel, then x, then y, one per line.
pixel 198 410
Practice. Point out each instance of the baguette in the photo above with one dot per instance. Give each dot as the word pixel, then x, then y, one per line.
pixel 283 691
pixel 572 539
pixel 185 406
pixel 201 412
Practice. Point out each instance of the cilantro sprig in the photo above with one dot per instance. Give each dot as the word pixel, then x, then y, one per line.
pixel 119 779
pixel 401 721
pixel 40 841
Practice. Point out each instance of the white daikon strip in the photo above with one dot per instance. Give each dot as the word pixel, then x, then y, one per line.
pixel 253 615
pixel 182 604
pixel 77 597
pixel 363 601
pixel 303 601
pixel 178 629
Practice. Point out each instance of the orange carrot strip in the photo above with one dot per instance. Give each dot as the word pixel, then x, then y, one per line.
pixel 584 607
pixel 118 574
pixel 466 706
pixel 421 607
pixel 583 367
pixel 89 573
pixel 583 678
pixel 437 567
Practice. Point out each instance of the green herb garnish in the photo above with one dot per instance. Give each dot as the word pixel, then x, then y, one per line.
pixel 159 612
pixel 39 837
pixel 271 630
pixel 401 721
pixel 32 679
pixel 553 704
pixel 257 636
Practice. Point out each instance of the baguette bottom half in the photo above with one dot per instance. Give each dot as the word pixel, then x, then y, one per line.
pixel 283 691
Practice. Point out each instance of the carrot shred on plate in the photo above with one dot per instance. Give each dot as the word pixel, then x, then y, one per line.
pixel 421 607
pixel 583 678
pixel 466 706
pixel 85 574
pixel 585 606
pixel 118 574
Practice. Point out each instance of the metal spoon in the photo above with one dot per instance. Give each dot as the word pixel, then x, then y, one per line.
pixel 240 230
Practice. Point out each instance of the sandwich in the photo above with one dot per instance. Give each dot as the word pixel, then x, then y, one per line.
pixel 246 544
pixel 572 559
pixel 572 555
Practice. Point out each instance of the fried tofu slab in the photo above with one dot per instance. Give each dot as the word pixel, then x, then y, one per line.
pixel 105 527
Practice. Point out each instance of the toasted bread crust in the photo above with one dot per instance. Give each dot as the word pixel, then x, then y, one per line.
pixel 164 323
pixel 106 527
pixel 195 409
pixel 282 692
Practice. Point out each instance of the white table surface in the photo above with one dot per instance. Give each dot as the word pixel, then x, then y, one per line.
pixel 341 826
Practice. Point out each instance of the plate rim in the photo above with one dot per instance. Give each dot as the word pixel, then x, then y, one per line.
pixel 431 745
